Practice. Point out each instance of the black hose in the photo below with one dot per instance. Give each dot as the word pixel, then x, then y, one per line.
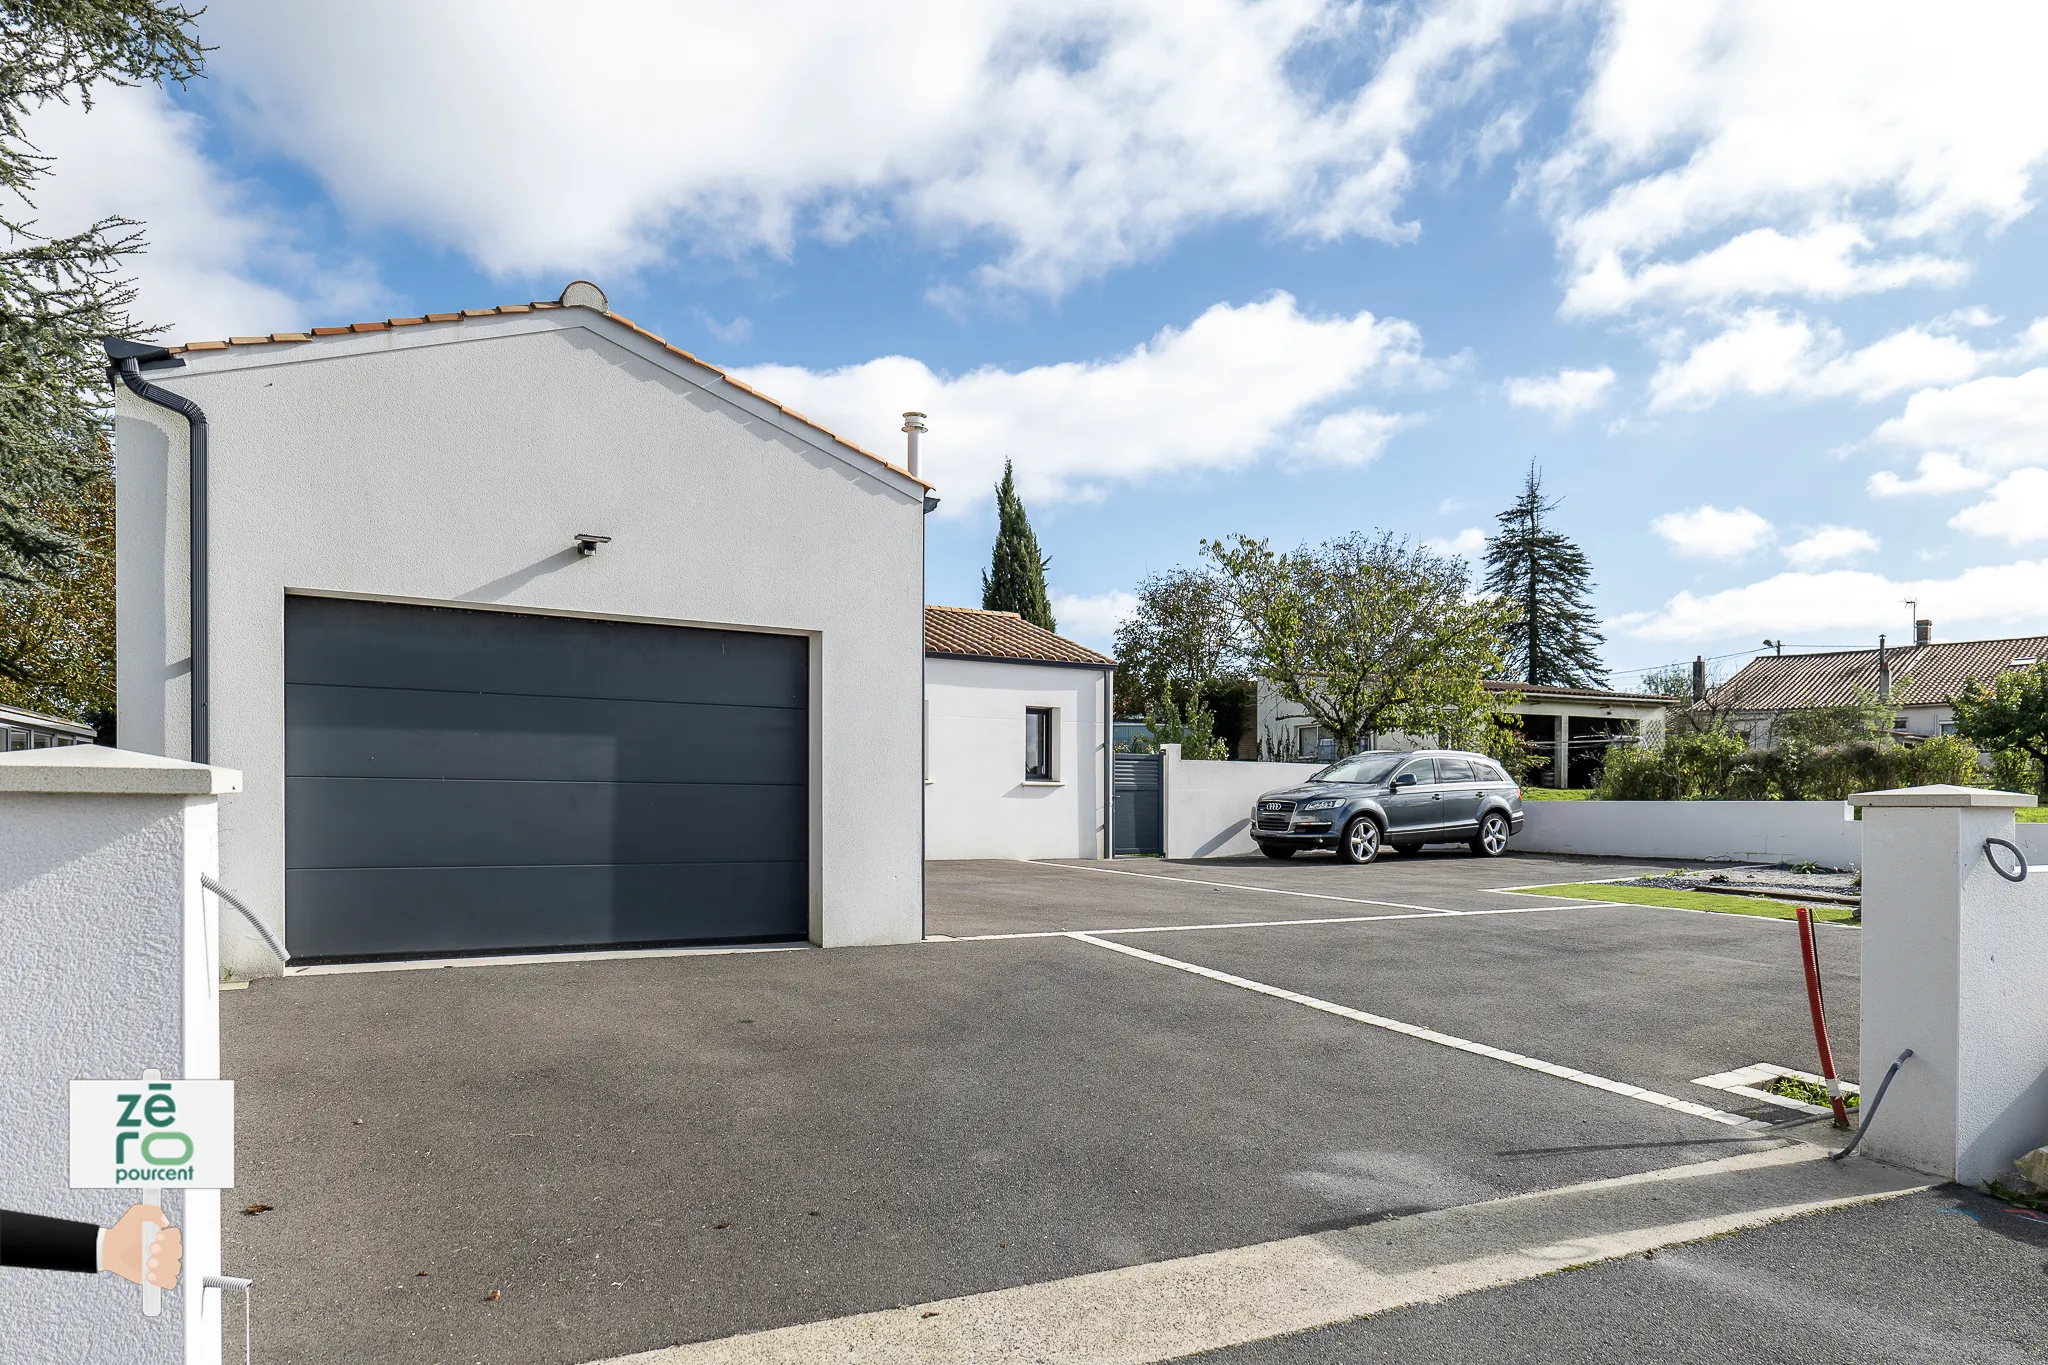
pixel 1871 1112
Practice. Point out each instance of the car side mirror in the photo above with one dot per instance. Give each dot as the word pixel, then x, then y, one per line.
pixel 1405 780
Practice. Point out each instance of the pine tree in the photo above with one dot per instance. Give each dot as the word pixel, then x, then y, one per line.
pixel 59 295
pixel 1556 636
pixel 1015 578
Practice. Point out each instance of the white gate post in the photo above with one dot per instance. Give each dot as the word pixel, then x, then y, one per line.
pixel 110 964
pixel 1954 961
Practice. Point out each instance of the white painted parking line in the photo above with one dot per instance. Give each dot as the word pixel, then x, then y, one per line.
pixel 1563 1073
pixel 1261 890
pixel 1248 924
pixel 1170 1310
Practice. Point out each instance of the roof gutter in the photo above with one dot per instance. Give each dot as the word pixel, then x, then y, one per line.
pixel 125 361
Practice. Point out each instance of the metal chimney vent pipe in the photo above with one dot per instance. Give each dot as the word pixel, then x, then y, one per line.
pixel 913 427
pixel 1884 672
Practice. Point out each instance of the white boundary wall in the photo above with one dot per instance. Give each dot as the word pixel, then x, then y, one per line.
pixel 1824 832
pixel 1209 803
pixel 1209 807
pixel 111 965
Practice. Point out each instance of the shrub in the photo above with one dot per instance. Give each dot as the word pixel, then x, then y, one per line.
pixel 2015 770
pixel 1945 758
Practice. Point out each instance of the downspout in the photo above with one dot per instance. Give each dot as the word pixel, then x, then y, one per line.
pixel 126 359
pixel 1108 764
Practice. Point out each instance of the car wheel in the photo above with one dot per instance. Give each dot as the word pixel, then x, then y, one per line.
pixel 1492 839
pixel 1361 841
pixel 1407 848
pixel 1277 850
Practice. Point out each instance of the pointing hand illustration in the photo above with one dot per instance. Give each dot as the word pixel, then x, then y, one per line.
pixel 35 1242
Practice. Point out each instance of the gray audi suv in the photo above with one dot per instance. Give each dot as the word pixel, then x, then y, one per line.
pixel 1361 804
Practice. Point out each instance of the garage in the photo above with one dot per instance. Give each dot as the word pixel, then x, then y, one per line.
pixel 487 781
pixel 528 632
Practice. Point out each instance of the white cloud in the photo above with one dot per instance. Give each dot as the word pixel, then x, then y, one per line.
pixel 1237 384
pixel 1713 159
pixel 1065 136
pixel 1845 603
pixel 1940 472
pixel 1827 544
pixel 218 263
pixel 1710 533
pixel 2016 510
pixel 1767 352
pixel 1092 619
pixel 1565 394
pixel 1470 543
pixel 1353 437
pixel 1998 422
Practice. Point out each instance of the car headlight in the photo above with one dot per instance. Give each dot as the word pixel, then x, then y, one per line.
pixel 1323 803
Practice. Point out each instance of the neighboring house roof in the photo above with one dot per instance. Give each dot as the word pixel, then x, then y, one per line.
pixel 591 292
pixel 17 715
pixel 1922 675
pixel 1545 692
pixel 1002 636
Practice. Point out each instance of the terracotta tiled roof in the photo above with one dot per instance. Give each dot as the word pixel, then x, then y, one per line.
pixel 1923 675
pixel 964 632
pixel 389 324
pixel 1544 691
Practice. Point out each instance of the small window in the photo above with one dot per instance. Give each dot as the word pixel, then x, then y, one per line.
pixel 17 739
pixel 1455 770
pixel 1037 744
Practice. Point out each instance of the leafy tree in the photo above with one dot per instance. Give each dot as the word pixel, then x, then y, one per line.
pixel 1367 633
pixel 1194 731
pixel 1556 637
pixel 58 296
pixel 1672 680
pixel 1177 640
pixel 1015 579
pixel 2010 714
pixel 57 640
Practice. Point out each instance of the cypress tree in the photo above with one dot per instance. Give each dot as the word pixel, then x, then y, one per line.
pixel 1015 578
pixel 1556 637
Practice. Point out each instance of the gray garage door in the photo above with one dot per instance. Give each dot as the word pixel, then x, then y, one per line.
pixel 472 781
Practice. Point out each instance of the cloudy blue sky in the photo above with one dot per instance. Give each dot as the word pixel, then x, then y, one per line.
pixel 1760 286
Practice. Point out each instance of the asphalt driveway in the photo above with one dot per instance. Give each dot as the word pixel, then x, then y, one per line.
pixel 590 1159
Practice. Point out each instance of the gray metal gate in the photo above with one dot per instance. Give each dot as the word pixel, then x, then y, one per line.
pixel 1140 807
pixel 481 781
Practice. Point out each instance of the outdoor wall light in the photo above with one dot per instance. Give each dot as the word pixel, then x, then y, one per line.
pixel 587 545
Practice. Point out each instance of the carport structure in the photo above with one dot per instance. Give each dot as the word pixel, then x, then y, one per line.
pixel 1101 1087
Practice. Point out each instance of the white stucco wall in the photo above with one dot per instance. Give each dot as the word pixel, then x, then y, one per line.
pixel 1752 831
pixel 451 464
pixel 1209 803
pixel 109 968
pixel 977 803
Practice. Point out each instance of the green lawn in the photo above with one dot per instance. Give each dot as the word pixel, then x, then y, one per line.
pixel 1689 900
pixel 2032 815
pixel 1553 794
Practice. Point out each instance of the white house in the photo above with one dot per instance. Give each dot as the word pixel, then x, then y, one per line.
pixel 1017 739
pixel 528 631
pixel 1568 727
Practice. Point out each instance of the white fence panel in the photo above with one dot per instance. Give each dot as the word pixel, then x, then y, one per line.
pixel 1824 832
pixel 1209 803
